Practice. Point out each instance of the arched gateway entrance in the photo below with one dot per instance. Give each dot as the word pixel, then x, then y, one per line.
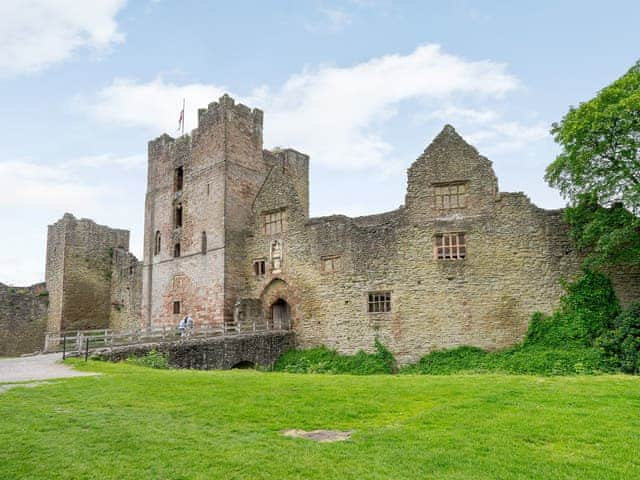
pixel 280 315
pixel 279 306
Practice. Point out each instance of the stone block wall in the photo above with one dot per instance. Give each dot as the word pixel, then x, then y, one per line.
pixel 516 254
pixel 23 319
pixel 82 258
pixel 261 349
pixel 222 169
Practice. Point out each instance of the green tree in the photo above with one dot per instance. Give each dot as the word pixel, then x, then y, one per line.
pixel 598 171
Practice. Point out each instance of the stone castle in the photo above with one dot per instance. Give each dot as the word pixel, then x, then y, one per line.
pixel 228 238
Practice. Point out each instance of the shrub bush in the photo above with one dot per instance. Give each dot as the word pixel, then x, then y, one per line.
pixel 587 310
pixel 323 360
pixel 622 343
pixel 153 359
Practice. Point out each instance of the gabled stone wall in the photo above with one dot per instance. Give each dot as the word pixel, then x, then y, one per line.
pixel 516 254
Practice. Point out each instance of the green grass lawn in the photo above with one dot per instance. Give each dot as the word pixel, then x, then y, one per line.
pixel 138 423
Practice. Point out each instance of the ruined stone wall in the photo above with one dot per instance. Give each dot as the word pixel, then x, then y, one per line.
pixel 516 255
pixel 23 319
pixel 223 169
pixel 79 274
pixel 126 291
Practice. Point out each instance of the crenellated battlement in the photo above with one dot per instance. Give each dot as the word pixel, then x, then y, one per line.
pixel 226 108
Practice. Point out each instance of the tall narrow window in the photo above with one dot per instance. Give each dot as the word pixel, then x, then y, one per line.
pixel 259 267
pixel 273 222
pixel 176 250
pixel 178 179
pixel 176 307
pixel 178 216
pixel 450 246
pixel 203 243
pixel 156 247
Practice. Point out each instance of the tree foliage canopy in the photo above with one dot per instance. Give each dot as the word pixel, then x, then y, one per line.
pixel 600 142
pixel 598 170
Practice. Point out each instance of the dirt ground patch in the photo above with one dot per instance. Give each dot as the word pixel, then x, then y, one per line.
pixel 322 436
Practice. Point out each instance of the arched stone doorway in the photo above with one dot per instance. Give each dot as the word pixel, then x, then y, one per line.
pixel 279 305
pixel 280 315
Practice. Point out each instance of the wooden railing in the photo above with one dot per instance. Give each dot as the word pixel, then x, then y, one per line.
pixel 81 342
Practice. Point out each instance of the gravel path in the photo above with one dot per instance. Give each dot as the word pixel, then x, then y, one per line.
pixel 38 367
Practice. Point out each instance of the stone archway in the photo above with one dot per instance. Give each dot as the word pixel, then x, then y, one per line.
pixel 279 305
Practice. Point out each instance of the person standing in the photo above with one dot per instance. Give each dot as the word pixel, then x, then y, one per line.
pixel 182 326
pixel 188 325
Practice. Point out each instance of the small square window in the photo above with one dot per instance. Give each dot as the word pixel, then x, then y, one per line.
pixel 451 195
pixel 379 302
pixel 259 267
pixel 450 246
pixel 176 307
pixel 331 263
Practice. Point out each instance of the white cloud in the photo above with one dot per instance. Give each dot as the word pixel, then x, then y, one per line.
pixel 29 184
pixel 155 105
pixel 505 137
pixel 451 114
pixel 35 34
pixel 336 114
pixel 128 162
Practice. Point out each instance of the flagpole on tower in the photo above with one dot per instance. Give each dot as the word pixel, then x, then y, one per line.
pixel 183 116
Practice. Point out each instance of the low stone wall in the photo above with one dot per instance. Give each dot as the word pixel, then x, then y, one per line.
pixel 219 353
pixel 23 317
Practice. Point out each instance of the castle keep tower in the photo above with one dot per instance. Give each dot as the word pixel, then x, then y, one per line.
pixel 200 189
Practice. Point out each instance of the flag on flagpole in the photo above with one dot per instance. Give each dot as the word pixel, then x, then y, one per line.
pixel 181 119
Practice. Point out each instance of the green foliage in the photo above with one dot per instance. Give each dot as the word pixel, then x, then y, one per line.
pixel 43 293
pixel 598 170
pixel 323 360
pixel 605 235
pixel 622 343
pixel 587 310
pixel 522 359
pixel 153 359
pixel 600 142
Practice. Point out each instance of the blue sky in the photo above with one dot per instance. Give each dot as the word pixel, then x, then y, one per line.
pixel 362 86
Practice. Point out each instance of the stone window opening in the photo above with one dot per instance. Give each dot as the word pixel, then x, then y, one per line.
pixel 331 263
pixel 276 256
pixel 156 249
pixel 176 307
pixel 178 179
pixel 203 243
pixel 450 195
pixel 450 246
pixel 259 267
pixel 208 189
pixel 273 222
pixel 379 302
pixel 176 250
pixel 178 216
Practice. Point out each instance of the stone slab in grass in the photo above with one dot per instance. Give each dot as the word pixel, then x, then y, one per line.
pixel 322 436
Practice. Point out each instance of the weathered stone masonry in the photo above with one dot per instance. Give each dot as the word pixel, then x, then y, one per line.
pixel 228 238
pixel 23 318
pixel 92 279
